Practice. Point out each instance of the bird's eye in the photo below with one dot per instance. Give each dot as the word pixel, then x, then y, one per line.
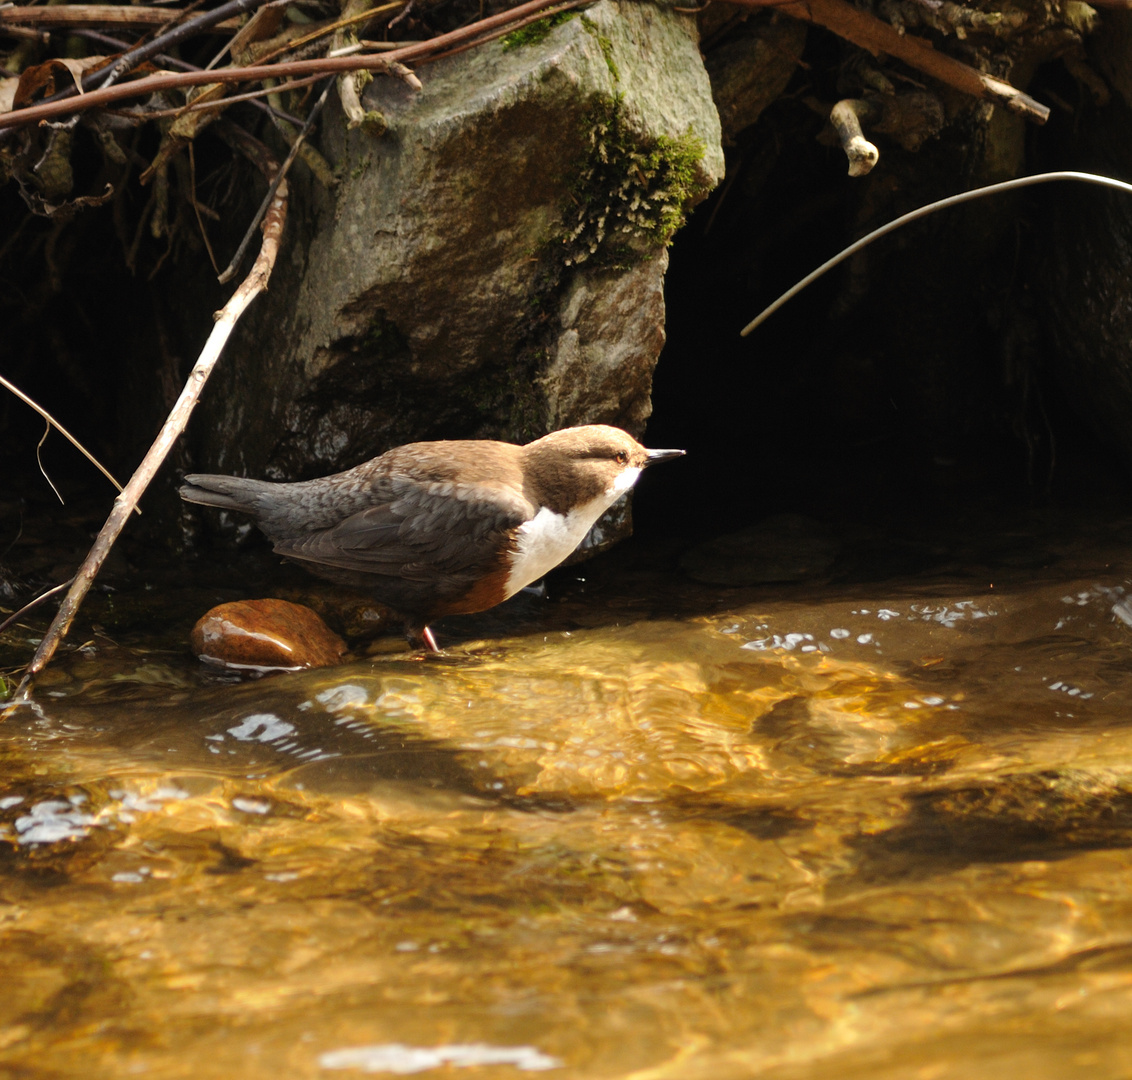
pixel 621 457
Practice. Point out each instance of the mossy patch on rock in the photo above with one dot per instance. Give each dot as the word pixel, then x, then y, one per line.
pixel 537 31
pixel 605 44
pixel 630 194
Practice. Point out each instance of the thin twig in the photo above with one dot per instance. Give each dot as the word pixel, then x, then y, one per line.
pixel 104 78
pixel 161 83
pixel 329 28
pixel 180 65
pixel 869 32
pixel 280 176
pixel 112 42
pixel 31 605
pixel 196 207
pixel 143 115
pixel 33 114
pixel 84 15
pixel 226 319
pixel 39 462
pixel 129 60
pixel 502 31
pixel 924 211
pixel 62 431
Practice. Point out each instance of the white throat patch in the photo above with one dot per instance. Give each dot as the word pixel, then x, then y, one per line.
pixel 548 538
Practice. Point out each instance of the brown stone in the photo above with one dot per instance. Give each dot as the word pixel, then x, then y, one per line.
pixel 266 634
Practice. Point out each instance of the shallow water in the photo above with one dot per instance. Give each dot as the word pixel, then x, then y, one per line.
pixel 872 827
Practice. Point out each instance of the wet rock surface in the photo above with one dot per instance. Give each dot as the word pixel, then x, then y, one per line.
pixel 750 70
pixel 266 634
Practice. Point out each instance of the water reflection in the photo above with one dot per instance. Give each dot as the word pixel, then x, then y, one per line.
pixel 823 834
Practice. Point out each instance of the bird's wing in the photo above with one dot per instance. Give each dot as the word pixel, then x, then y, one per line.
pixel 422 530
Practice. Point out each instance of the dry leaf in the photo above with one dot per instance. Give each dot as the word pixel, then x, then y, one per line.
pixel 66 209
pixel 42 76
pixel 8 89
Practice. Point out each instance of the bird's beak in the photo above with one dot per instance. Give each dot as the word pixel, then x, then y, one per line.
pixel 662 455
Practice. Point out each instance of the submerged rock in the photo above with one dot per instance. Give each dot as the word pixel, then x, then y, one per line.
pixel 266 634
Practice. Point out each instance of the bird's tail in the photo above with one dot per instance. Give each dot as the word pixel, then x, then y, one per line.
pixel 226 492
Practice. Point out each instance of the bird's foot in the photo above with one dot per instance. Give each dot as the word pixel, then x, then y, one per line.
pixel 420 637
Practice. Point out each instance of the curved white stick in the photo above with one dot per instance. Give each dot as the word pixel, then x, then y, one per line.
pixel 923 211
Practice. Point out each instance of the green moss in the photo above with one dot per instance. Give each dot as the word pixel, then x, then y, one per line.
pixel 630 194
pixel 538 31
pixel 374 123
pixel 605 44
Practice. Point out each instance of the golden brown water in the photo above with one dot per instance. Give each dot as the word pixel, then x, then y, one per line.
pixel 859 830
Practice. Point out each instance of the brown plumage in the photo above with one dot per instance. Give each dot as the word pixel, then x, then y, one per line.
pixel 442 528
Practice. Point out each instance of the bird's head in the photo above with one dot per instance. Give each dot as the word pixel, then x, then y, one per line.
pixel 575 466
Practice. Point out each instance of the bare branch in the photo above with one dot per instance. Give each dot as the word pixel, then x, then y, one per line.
pixel 190 28
pixel 869 32
pixel 846 117
pixel 226 319
pixel 180 65
pixel 33 114
pixel 105 15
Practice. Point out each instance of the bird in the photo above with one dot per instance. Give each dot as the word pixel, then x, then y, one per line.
pixel 448 527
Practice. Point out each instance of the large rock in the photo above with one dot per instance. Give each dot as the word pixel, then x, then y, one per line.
pixel 493 264
pixel 749 71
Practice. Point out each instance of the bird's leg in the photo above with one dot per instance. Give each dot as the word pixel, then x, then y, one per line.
pixel 420 634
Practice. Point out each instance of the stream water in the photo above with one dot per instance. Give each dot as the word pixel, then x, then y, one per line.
pixel 871 826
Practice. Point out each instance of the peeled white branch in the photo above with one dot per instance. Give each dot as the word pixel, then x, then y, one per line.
pixel 846 117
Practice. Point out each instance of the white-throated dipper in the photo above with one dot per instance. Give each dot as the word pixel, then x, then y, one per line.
pixel 443 528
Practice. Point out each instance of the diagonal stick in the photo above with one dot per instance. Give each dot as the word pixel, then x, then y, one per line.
pixel 226 318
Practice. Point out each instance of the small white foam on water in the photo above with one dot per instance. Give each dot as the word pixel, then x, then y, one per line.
pixel 261 727
pixel 51 821
pixel 398 1058
pixel 338 698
